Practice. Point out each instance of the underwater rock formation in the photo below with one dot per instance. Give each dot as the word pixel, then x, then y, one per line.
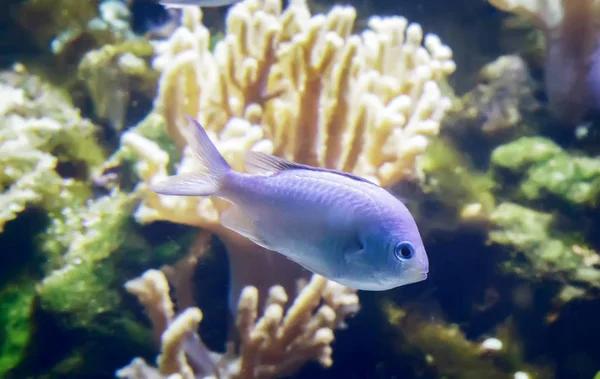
pixel 571 70
pixel 442 349
pixel 553 238
pixel 500 106
pixel 70 28
pixel 49 155
pixel 40 131
pixel 551 254
pixel 453 170
pixel 546 171
pixel 112 73
pixel 528 211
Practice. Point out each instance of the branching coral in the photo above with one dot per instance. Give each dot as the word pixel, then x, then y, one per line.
pixel 301 87
pixel 275 344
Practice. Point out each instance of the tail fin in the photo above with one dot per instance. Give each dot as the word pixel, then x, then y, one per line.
pixel 213 168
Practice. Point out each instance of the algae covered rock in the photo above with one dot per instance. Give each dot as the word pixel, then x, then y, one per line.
pixel 79 244
pixel 17 302
pixel 455 168
pixel 549 252
pixel 83 239
pixel 440 348
pixel 47 150
pixel 502 104
pixel 465 192
pixel 113 73
pixel 69 28
pixel 545 170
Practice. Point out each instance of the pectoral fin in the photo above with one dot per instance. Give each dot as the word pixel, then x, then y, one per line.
pixel 311 266
pixel 356 257
pixel 235 219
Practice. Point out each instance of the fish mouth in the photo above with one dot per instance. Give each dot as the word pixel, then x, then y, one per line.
pixel 410 276
pixel 376 283
pixel 417 274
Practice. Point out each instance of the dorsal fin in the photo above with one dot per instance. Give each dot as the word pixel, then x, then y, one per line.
pixel 260 164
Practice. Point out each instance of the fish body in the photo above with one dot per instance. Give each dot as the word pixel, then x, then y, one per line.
pixel 197 3
pixel 334 224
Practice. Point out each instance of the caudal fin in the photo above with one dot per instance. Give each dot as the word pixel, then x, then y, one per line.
pixel 212 168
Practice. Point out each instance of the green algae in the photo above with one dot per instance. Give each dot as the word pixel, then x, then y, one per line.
pixel 86 235
pixel 64 30
pixel 531 233
pixel 441 347
pixel 545 169
pixel 17 301
pixel 550 253
pixel 452 177
pixel 463 194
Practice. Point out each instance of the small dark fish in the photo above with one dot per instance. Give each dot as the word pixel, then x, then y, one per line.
pixel 197 3
pixel 334 224
pixel 149 16
pixel 158 19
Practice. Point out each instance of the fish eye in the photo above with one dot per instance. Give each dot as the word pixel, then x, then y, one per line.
pixel 404 250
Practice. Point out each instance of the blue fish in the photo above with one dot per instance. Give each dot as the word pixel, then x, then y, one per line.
pixel 340 226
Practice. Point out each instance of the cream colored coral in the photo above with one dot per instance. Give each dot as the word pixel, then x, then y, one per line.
pixel 275 344
pixel 172 358
pixel 299 86
pixel 152 290
pixel 289 340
